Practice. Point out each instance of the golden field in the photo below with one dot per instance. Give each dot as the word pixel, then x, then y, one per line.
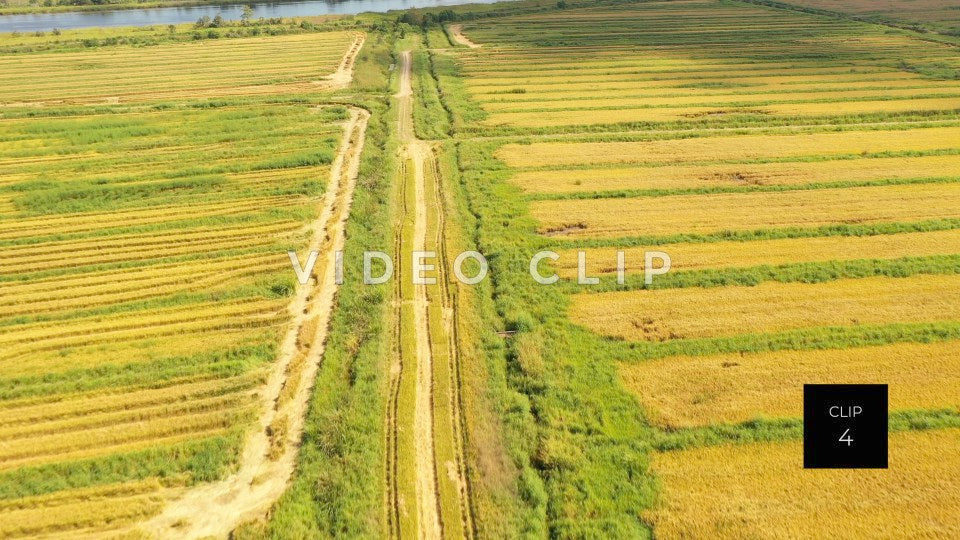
pixel 689 391
pixel 657 315
pixel 734 147
pixel 732 254
pixel 671 114
pixel 762 491
pixel 547 101
pixel 674 214
pixel 877 82
pixel 736 174
pixel 221 67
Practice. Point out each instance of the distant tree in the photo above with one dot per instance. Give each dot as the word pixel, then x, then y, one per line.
pixel 203 22
pixel 413 17
pixel 172 29
pixel 217 22
pixel 57 32
pixel 246 15
pixel 562 4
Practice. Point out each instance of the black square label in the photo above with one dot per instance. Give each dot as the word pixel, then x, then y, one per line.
pixel 845 426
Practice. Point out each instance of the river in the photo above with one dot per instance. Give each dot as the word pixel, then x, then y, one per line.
pixel 175 15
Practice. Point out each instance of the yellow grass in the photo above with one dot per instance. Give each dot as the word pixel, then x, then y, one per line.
pixel 736 174
pixel 741 147
pixel 696 256
pixel 729 388
pixel 670 114
pixel 762 491
pixel 746 211
pixel 656 315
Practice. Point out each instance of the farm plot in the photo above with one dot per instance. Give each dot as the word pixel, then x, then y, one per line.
pixel 768 307
pixel 691 256
pixel 942 16
pixel 679 214
pixel 761 491
pixel 274 64
pixel 801 172
pixel 738 148
pixel 825 68
pixel 736 175
pixel 143 264
pixel 689 391
pixel 153 284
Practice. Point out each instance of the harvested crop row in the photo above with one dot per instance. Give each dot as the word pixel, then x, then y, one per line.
pixel 133 347
pixel 549 102
pixel 111 439
pixel 678 214
pixel 67 407
pixel 58 224
pixel 734 147
pixel 762 490
pixel 682 391
pixel 658 315
pixel 668 114
pixel 734 254
pixel 668 177
pixel 95 511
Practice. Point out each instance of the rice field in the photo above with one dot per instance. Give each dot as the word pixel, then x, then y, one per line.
pixel 143 263
pixel 691 391
pixel 801 172
pixel 729 492
pixel 735 148
pixel 735 175
pixel 270 64
pixel 698 214
pixel 769 307
pixel 687 257
pixel 941 16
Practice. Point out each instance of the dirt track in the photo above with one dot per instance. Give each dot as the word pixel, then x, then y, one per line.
pixel 424 433
pixel 456 32
pixel 270 453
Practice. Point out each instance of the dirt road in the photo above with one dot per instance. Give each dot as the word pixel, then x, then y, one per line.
pixel 269 457
pixel 424 390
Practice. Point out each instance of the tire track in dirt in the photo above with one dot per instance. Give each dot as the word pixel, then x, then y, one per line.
pixel 428 515
pixel 431 519
pixel 270 453
pixel 343 75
